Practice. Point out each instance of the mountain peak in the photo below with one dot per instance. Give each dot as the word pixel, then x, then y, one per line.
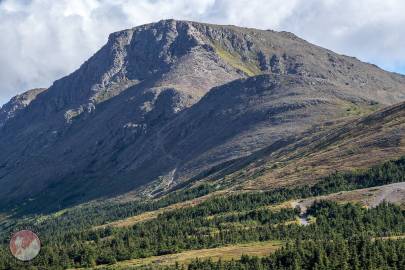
pixel 18 103
pixel 170 100
pixel 193 57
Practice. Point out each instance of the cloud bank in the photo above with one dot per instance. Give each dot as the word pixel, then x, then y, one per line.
pixel 43 40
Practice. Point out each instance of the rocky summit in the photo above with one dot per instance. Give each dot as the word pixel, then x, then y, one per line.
pixel 17 104
pixel 163 103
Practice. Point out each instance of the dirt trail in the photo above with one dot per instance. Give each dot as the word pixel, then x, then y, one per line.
pixel 369 197
pixel 394 193
pixel 303 218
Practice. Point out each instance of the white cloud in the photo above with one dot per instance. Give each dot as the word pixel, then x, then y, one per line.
pixel 371 30
pixel 42 40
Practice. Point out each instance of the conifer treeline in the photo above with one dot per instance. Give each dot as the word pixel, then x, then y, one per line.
pixel 335 254
pixel 175 233
pixel 224 220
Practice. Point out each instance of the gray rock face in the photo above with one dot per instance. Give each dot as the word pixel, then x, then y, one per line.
pixel 18 103
pixel 163 102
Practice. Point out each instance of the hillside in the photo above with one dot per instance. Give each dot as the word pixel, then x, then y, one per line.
pixel 163 103
pixel 347 145
pixel 215 222
pixel 263 224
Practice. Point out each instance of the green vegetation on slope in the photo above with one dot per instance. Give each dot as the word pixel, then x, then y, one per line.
pixel 235 60
pixel 335 254
pixel 83 217
pixel 175 233
pixel 386 173
pixel 219 221
pixel 100 213
pixel 353 109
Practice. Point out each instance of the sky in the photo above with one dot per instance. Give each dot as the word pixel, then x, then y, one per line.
pixel 43 40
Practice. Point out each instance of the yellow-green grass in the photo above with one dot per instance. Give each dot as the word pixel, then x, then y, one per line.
pixel 130 221
pixel 259 249
pixel 394 237
pixel 352 109
pixel 234 59
pixel 270 207
pixel 147 216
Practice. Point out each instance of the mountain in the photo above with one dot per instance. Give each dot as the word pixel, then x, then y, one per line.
pixel 166 102
pixel 18 103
